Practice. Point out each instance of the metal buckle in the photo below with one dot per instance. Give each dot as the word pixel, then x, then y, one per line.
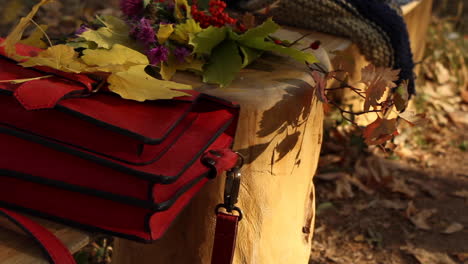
pixel 231 188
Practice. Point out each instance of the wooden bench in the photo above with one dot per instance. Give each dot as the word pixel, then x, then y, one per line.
pixel 280 132
pixel 17 248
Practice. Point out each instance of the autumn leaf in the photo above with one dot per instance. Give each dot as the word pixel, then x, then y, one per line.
pixel 181 7
pixel 321 84
pixel 118 58
pixel 183 32
pixel 17 32
pixel 414 119
pixel 380 130
pixel 136 84
pixel 401 97
pixel 35 39
pixel 115 31
pixel 377 80
pixel 60 57
pixel 164 32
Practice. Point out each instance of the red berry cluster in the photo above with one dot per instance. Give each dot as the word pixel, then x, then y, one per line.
pixel 216 17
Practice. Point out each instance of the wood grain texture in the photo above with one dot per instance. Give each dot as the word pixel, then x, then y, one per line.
pixel 280 133
pixel 17 248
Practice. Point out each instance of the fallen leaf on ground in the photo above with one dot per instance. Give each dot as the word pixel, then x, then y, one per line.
pixel 359 238
pixel 419 217
pixel 397 205
pixel 426 187
pixel 442 73
pixel 453 228
pixel 461 194
pixel 331 176
pixel 459 118
pixel 400 186
pixel 343 189
pixel 464 96
pixel 428 257
pixel 356 182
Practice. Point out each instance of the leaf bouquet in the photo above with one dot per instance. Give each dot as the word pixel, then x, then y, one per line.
pixel 159 37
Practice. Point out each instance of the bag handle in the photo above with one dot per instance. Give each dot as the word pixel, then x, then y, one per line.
pixel 56 252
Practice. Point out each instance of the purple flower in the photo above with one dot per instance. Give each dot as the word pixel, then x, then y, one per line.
pixel 158 55
pixel 181 53
pixel 131 7
pixel 144 32
pixel 81 30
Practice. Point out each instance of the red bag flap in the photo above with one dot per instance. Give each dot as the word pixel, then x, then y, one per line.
pixel 100 123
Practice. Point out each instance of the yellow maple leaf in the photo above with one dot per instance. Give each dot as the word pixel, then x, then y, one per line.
pixel 164 32
pixel 17 32
pixel 182 6
pixel 182 32
pixel 118 58
pixel 60 57
pixel 136 84
pixel 35 39
pixel 115 31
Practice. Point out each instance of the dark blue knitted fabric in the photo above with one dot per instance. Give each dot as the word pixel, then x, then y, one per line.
pixel 393 24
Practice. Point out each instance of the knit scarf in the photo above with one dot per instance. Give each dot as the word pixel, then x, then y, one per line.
pixel 376 26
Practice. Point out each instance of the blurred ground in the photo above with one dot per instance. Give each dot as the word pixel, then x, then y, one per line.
pixel 408 204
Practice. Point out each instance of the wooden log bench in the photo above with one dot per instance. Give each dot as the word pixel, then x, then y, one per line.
pixel 280 133
pixel 18 248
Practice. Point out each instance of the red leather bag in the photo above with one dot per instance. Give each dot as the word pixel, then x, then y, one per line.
pixel 103 163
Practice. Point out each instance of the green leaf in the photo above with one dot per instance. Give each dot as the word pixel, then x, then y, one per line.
pixel 249 55
pixel 225 64
pixel 204 41
pixel 261 32
pixel 261 44
pixel 146 3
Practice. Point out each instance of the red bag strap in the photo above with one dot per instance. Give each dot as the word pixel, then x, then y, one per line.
pixel 51 245
pixel 227 223
pixel 225 238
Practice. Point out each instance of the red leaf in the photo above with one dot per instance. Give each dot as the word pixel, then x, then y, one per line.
pixel 380 131
pixel 320 86
pixel 414 119
pixel 378 80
